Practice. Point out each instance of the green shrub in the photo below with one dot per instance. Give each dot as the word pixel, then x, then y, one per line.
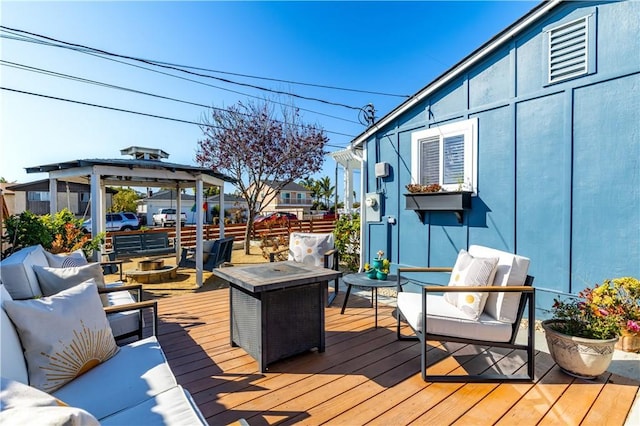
pixel 347 236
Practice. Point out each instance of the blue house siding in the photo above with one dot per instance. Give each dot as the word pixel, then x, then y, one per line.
pixel 558 164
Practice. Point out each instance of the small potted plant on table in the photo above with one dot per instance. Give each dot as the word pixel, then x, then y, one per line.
pixel 379 267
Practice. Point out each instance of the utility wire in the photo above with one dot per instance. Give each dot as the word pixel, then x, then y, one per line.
pixel 179 120
pixel 126 89
pixel 85 51
pixel 225 80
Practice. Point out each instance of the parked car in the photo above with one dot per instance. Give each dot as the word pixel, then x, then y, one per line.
pixel 270 219
pixel 123 221
pixel 167 217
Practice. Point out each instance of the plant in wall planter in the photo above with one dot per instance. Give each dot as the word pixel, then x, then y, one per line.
pixel 584 331
pixel 379 267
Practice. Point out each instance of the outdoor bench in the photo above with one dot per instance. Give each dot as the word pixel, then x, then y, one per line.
pixel 142 244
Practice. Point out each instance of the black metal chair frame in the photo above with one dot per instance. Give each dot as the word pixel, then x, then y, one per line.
pixel 527 299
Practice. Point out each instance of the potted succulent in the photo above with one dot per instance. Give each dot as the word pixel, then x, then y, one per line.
pixel 584 330
pixel 379 267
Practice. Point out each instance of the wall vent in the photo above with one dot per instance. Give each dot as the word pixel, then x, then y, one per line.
pixel 568 48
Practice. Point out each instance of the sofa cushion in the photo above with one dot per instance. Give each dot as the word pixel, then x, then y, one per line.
pixel 138 372
pixel 171 407
pixel 309 248
pixel 17 273
pixel 66 260
pixel 511 271
pixel 63 335
pixel 12 363
pixel 446 319
pixel 54 280
pixel 22 404
pixel 471 271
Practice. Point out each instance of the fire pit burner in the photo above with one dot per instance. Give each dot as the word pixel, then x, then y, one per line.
pixel 150 265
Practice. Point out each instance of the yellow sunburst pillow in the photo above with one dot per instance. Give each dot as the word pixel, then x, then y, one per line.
pixel 63 336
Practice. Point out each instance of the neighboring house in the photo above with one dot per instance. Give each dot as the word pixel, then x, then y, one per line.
pixel 292 198
pixel 150 205
pixel 542 123
pixel 35 196
pixel 235 207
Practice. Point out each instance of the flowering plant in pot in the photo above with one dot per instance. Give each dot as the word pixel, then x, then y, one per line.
pixel 584 330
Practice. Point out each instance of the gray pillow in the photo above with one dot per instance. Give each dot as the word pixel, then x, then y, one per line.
pixel 54 280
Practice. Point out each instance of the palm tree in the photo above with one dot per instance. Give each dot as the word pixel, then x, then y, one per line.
pixel 326 190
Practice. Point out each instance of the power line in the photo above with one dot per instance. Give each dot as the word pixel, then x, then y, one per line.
pixel 179 120
pixel 27 39
pixel 126 89
pixel 175 68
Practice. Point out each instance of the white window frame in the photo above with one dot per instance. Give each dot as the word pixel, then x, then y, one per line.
pixel 469 130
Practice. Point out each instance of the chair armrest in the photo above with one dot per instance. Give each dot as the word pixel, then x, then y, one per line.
pixel 331 253
pixel 430 269
pixel 137 306
pixel 480 289
pixel 272 255
pixel 124 287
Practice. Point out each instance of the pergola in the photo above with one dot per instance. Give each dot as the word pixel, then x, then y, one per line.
pixel 145 169
pixel 349 161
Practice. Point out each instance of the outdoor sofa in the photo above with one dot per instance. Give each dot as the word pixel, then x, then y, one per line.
pixel 60 349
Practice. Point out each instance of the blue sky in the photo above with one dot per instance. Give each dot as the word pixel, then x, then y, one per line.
pixel 390 47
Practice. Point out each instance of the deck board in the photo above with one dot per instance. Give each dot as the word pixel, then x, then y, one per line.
pixel 367 376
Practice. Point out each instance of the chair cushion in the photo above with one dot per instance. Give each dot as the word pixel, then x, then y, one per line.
pixel 309 248
pixel 471 271
pixel 207 245
pixel 136 373
pixel 511 271
pixel 63 336
pixel 65 260
pixel 446 319
pixel 17 272
pixel 12 363
pixel 22 404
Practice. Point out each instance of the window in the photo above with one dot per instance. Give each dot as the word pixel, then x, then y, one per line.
pixel 571 49
pixel 38 196
pixel 446 155
pixel 286 197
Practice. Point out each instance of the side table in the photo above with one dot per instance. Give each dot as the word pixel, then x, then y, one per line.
pixel 361 280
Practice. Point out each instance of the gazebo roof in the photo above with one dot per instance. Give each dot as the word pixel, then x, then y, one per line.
pixel 128 172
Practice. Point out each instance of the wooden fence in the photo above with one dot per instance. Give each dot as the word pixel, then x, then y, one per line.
pixel 212 232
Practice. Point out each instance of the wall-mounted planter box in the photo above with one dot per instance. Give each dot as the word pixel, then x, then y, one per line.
pixel 456 202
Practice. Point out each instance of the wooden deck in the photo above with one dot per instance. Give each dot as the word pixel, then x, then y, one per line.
pixel 366 376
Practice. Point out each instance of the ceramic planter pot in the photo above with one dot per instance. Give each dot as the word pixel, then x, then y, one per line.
pixel 371 273
pixel 577 356
pixel 629 341
pixel 381 275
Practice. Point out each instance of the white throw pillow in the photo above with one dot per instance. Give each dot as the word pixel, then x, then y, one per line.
pixel 63 336
pixel 22 404
pixel 309 248
pixel 54 280
pixel 66 260
pixel 471 271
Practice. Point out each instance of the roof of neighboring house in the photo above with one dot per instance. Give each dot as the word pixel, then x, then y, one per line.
pixel 292 186
pixel 43 186
pixel 228 198
pixel 479 54
pixel 169 194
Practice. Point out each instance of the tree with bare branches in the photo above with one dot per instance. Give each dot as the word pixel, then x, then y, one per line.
pixel 253 144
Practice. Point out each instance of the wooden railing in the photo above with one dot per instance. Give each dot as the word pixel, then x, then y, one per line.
pixel 212 232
